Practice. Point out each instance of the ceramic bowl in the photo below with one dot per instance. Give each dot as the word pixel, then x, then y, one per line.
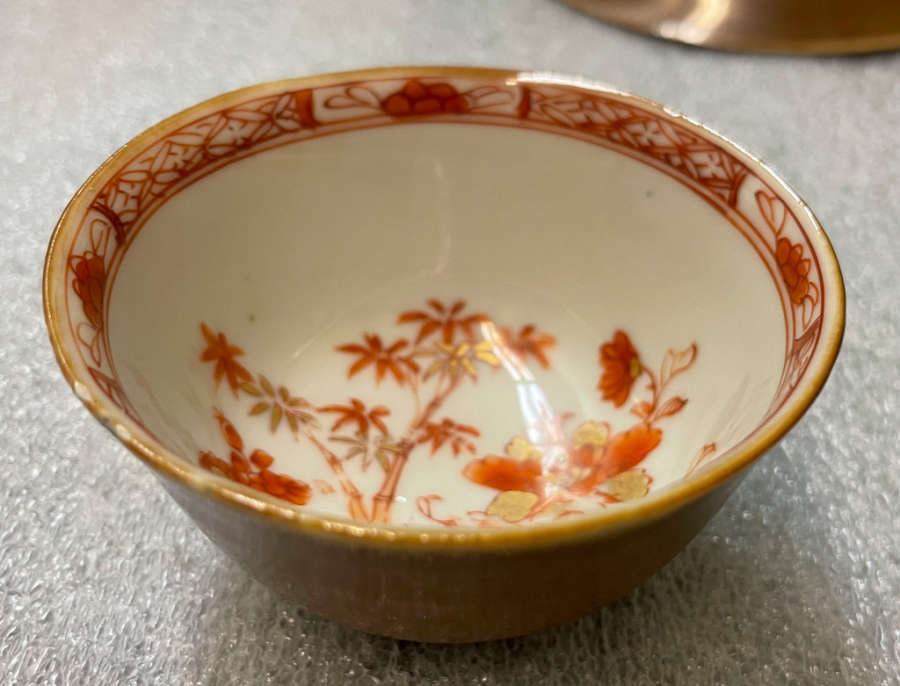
pixel 444 354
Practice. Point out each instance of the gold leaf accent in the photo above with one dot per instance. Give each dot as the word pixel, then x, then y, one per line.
pixel 520 448
pixel 628 485
pixel 259 408
pixel 283 393
pixel 591 433
pixel 267 387
pixel 249 388
pixel 292 422
pixel 512 506
pixel 276 417
pixel 483 352
pixel 433 369
pixel 489 358
pixel 305 417
pixel 345 439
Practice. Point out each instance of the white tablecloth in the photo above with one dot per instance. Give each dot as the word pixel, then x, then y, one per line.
pixel 103 580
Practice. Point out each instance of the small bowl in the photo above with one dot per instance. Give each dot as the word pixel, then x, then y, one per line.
pixel 444 354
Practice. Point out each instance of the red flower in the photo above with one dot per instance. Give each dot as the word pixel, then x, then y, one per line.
pixel 506 474
pixel 793 269
pixel 220 351
pixel 627 449
pixel 418 98
pixel 88 284
pixel 384 358
pixel 624 451
pixel 621 366
pixel 529 341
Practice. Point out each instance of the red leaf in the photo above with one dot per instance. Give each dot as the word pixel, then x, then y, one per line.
pixel 641 410
pixel 670 407
pixel 676 361
pixel 427 329
pixel 358 366
pixel 353 348
pixel 375 417
pixel 395 346
pixel 229 433
pixel 398 373
pixel 261 459
pixel 381 367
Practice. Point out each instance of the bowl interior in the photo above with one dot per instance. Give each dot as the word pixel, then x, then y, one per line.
pixel 442 321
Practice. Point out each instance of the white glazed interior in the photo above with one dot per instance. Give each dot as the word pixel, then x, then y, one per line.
pixel 304 247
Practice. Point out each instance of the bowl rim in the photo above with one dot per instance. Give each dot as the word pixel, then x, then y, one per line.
pixel 602 522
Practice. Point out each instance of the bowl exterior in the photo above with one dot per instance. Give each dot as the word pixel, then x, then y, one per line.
pixel 447 594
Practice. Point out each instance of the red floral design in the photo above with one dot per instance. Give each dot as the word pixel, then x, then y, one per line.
pixel 531 479
pixel 621 366
pixel 253 471
pixel 444 318
pixel 529 342
pixel 459 436
pixel 794 269
pixel 590 463
pixel 624 451
pixel 213 139
pixel 507 474
pixel 418 98
pixel 351 428
pixel 385 359
pixel 88 284
pixel 356 413
pixel 220 351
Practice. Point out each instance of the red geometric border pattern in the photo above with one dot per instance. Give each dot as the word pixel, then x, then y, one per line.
pixel 167 165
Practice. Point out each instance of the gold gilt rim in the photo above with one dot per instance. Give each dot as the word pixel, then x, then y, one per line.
pixel 605 522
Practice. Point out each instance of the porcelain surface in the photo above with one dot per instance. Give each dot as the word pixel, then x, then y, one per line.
pixel 451 302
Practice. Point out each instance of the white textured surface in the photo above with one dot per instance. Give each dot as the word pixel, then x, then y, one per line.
pixel 104 581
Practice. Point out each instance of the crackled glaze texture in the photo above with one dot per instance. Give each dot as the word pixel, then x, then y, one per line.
pixel 454 302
